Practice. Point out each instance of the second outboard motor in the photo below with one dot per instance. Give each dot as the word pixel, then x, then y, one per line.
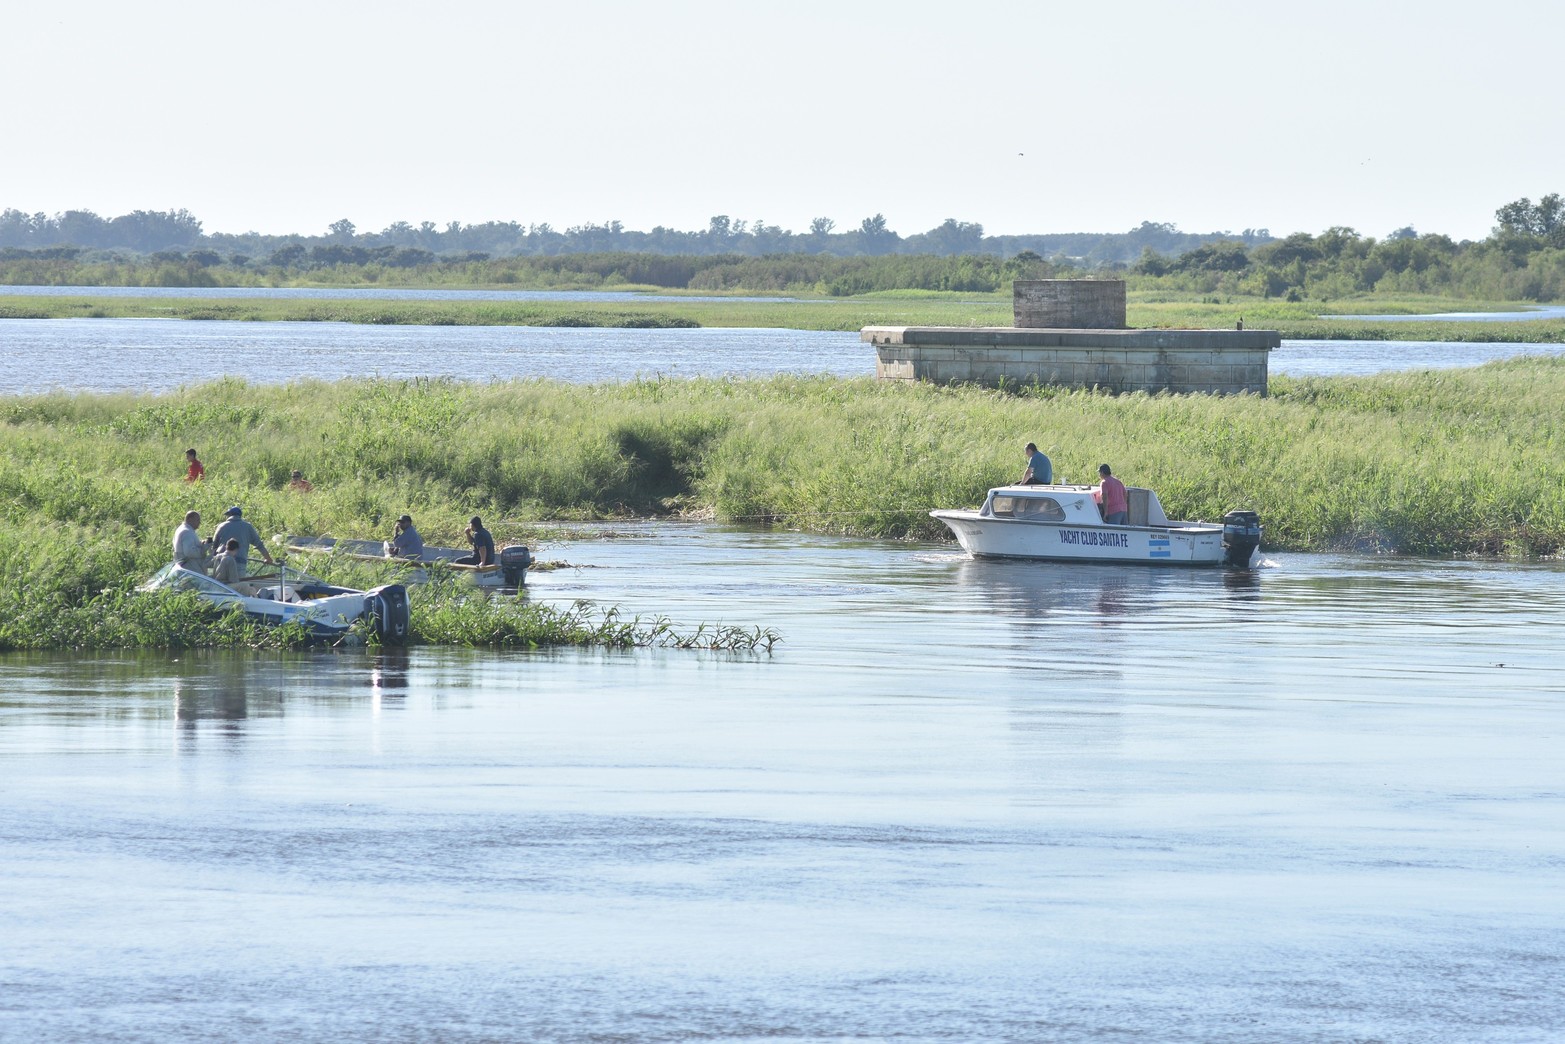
pixel 1241 536
pixel 514 561
pixel 387 610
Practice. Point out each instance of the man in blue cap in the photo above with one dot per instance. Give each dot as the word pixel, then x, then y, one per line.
pixel 236 528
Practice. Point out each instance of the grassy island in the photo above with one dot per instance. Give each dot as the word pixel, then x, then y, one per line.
pixel 1315 320
pixel 1447 462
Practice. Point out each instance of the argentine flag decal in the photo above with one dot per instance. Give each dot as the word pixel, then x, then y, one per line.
pixel 1157 547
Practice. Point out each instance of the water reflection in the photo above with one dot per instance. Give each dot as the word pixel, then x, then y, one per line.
pixel 223 699
pixel 389 671
pixel 1243 585
pixel 1109 593
pixel 225 692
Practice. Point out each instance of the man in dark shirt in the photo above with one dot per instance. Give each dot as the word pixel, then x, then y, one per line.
pixel 483 544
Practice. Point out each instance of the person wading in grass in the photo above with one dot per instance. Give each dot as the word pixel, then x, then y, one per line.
pixel 194 471
pixel 1040 470
pixel 483 544
pixel 189 550
pixel 298 483
pixel 1111 497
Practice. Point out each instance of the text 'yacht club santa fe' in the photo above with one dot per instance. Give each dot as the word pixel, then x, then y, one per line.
pixel 1063 522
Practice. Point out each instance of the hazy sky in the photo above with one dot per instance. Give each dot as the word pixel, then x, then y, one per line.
pixel 1028 116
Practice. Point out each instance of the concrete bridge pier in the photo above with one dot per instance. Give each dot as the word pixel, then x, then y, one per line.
pixel 1071 332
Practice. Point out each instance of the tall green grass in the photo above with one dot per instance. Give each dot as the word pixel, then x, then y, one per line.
pixel 1465 462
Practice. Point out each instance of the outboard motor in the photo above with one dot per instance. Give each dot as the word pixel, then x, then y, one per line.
pixel 1241 536
pixel 387 610
pixel 514 561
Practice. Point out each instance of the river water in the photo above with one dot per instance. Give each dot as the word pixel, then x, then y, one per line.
pixel 39 355
pixel 959 801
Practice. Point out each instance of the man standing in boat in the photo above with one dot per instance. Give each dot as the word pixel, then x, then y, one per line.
pixel 1111 497
pixel 483 544
pixel 237 528
pixel 1040 470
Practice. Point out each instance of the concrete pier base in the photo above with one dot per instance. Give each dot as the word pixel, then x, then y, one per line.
pixel 1072 332
pixel 1224 362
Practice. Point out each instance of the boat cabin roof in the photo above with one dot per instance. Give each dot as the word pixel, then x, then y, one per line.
pixel 1072 505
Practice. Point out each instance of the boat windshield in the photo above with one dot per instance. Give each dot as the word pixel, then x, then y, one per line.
pixel 1041 509
pixel 187 580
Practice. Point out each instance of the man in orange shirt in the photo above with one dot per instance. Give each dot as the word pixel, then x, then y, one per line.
pixel 194 472
pixel 298 483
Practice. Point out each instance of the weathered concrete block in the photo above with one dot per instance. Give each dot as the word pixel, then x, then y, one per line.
pixel 1222 361
pixel 1080 304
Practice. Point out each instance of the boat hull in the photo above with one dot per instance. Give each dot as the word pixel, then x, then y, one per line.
pixel 322 610
pixel 989 537
pixel 510 572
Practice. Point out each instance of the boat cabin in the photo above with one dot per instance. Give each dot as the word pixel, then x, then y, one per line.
pixel 1069 505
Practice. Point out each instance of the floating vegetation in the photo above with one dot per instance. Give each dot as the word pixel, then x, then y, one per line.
pixel 499 621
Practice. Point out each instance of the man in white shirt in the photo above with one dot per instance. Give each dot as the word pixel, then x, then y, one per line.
pixel 189 550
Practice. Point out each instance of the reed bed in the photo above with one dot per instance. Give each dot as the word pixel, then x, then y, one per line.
pixel 1444 462
pixel 1144 309
pixel 842 314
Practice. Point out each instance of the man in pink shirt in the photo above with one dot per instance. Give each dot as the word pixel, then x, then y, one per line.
pixel 1111 497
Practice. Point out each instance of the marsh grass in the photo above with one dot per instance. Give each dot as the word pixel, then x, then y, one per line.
pixel 451 618
pixel 1145 309
pixel 1445 462
pixel 842 314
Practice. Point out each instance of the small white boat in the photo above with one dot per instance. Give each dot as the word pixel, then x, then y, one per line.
pixel 509 569
pixel 1063 523
pixel 287 596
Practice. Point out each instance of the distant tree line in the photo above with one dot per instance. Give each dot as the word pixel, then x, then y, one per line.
pixel 403 245
pixel 142 231
pixel 798 273
pixel 1523 258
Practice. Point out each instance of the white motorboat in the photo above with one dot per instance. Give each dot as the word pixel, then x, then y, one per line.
pixel 509 569
pixel 1063 522
pixel 287 596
